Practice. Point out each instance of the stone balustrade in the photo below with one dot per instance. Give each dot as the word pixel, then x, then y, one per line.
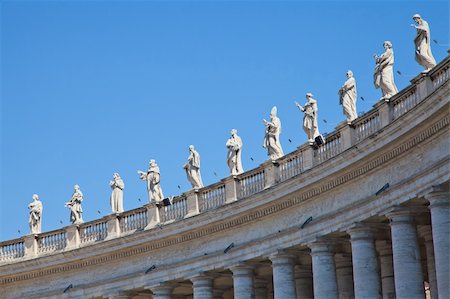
pixel 232 188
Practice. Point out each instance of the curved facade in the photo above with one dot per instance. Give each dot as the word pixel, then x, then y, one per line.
pixel 364 216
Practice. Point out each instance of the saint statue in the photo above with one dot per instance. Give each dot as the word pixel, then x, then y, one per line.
pixel 310 123
pixel 272 136
pixel 234 145
pixel 153 178
pixel 384 73
pixel 347 97
pixel 35 218
pixel 116 199
pixel 192 168
pixel 422 42
pixel 74 204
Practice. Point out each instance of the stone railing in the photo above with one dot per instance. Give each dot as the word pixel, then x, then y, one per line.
pixel 212 197
pixel 177 210
pixel 290 165
pixel 12 249
pixel 136 219
pixel 366 125
pixel 52 241
pixel 93 231
pixel 251 182
pixel 232 188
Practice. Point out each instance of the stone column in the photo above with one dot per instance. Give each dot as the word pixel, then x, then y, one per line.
pixel 440 225
pixel 405 248
pixel 218 293
pixel 426 234
pixel 283 275
pixel 366 275
pixel 162 292
pixel 260 288
pixel 243 282
pixel 384 249
pixel 324 271
pixel 203 287
pixel 344 275
pixel 304 282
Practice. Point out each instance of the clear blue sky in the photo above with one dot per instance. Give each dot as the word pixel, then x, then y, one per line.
pixel 94 87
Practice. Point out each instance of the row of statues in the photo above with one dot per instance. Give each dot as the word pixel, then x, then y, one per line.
pixel 383 79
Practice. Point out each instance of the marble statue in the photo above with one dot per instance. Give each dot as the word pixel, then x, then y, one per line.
pixel 422 42
pixel 347 97
pixel 192 168
pixel 116 199
pixel 384 73
pixel 234 145
pixel 153 178
pixel 74 204
pixel 35 218
pixel 272 136
pixel 310 123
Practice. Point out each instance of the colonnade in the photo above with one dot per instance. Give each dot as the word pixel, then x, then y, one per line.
pixel 404 253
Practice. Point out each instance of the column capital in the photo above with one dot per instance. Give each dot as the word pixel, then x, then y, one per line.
pixel 405 214
pixel 282 257
pixel 202 280
pixel 322 247
pixel 424 232
pixel 242 269
pixel 161 289
pixel 361 231
pixel 438 198
pixel 384 247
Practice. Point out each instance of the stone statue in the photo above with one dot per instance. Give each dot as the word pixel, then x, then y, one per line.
pixel 234 145
pixel 153 178
pixel 192 168
pixel 310 123
pixel 116 199
pixel 347 97
pixel 74 204
pixel 272 136
pixel 422 42
pixel 384 73
pixel 35 218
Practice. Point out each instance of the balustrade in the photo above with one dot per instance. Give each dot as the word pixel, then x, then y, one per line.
pixel 367 125
pixel 93 231
pixel 404 102
pixel 331 148
pixel 251 182
pixel 212 197
pixel 440 76
pixel 177 210
pixel 52 241
pixel 12 249
pixel 290 166
pixel 133 220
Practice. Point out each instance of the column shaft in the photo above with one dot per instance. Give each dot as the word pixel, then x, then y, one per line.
pixel 243 282
pixel 344 275
pixel 304 282
pixel 384 249
pixel 203 287
pixel 283 276
pixel 324 271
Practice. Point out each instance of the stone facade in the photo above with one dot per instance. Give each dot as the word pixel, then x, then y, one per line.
pixel 345 220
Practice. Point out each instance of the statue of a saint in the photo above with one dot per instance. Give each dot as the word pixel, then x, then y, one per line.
pixel 116 199
pixel 153 178
pixel 272 136
pixel 35 218
pixel 192 168
pixel 384 73
pixel 310 123
pixel 74 204
pixel 347 97
pixel 422 42
pixel 234 145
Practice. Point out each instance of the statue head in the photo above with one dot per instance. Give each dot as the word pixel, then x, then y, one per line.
pixel 417 18
pixel 233 132
pixel 309 96
pixel 116 175
pixel 191 148
pixel 273 112
pixel 76 187
pixel 387 45
pixel 35 197
pixel 152 162
pixel 349 74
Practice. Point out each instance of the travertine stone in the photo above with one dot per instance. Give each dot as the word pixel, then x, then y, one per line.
pixel 192 168
pixel 234 161
pixel 384 249
pixel 74 204
pixel 243 282
pixel 324 271
pixel 384 72
pixel 422 41
pixel 272 136
pixel 260 288
pixel 304 282
pixel 310 118
pixel 35 218
pixel 366 274
pixel 162 292
pixel 231 188
pixel 113 226
pixel 192 204
pixel 283 275
pixel 153 215
pixel 203 287
pixel 348 96
pixel 116 201
pixel 153 178
pixel 440 225
pixel 30 245
pixel 426 234
pixel 407 266
pixel 73 236
pixel 344 275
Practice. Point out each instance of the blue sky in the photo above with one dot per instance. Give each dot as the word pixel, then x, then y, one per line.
pixel 89 88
